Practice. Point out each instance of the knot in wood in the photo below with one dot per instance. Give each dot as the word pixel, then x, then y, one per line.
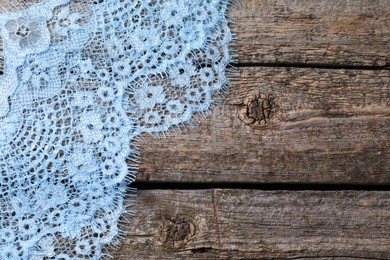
pixel 179 230
pixel 176 232
pixel 258 109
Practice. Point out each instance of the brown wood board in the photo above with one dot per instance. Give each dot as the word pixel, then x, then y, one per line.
pixel 323 126
pixel 316 32
pixel 252 224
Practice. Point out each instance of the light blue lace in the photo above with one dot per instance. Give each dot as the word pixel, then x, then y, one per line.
pixel 82 80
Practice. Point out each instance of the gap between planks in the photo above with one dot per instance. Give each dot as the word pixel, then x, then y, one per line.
pixel 308 66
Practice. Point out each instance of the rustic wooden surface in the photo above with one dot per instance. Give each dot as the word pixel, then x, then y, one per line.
pixel 252 224
pixel 327 32
pixel 328 126
pixel 310 106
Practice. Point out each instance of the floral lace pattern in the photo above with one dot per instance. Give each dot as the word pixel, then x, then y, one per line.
pixel 81 81
pixel 23 34
pixel 24 31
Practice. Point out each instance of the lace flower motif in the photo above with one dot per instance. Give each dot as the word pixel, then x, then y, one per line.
pixel 149 96
pixel 24 31
pixel 83 99
pixel 91 126
pixel 9 253
pixel 81 165
pixel 175 107
pixel 67 20
pixel 181 75
pixel 45 198
pixel 36 73
pixel 83 69
pixel 45 247
pixel 8 235
pixel 173 12
pixel 83 248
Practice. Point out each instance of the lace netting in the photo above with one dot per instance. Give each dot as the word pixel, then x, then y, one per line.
pixel 15 6
pixel 80 81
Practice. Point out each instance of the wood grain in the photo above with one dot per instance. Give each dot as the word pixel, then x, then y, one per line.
pixel 327 126
pixel 281 125
pixel 251 224
pixel 317 32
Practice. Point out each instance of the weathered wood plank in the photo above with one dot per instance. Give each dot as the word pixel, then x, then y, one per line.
pixel 326 126
pixel 250 224
pixel 331 32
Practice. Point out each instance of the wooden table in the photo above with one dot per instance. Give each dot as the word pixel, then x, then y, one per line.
pixel 296 162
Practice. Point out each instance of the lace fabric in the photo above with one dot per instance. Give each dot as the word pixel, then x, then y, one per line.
pixel 82 80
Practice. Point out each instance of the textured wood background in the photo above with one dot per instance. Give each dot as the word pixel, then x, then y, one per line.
pixel 310 111
pixel 296 162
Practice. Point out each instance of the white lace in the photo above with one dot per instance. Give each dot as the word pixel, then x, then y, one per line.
pixel 81 81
